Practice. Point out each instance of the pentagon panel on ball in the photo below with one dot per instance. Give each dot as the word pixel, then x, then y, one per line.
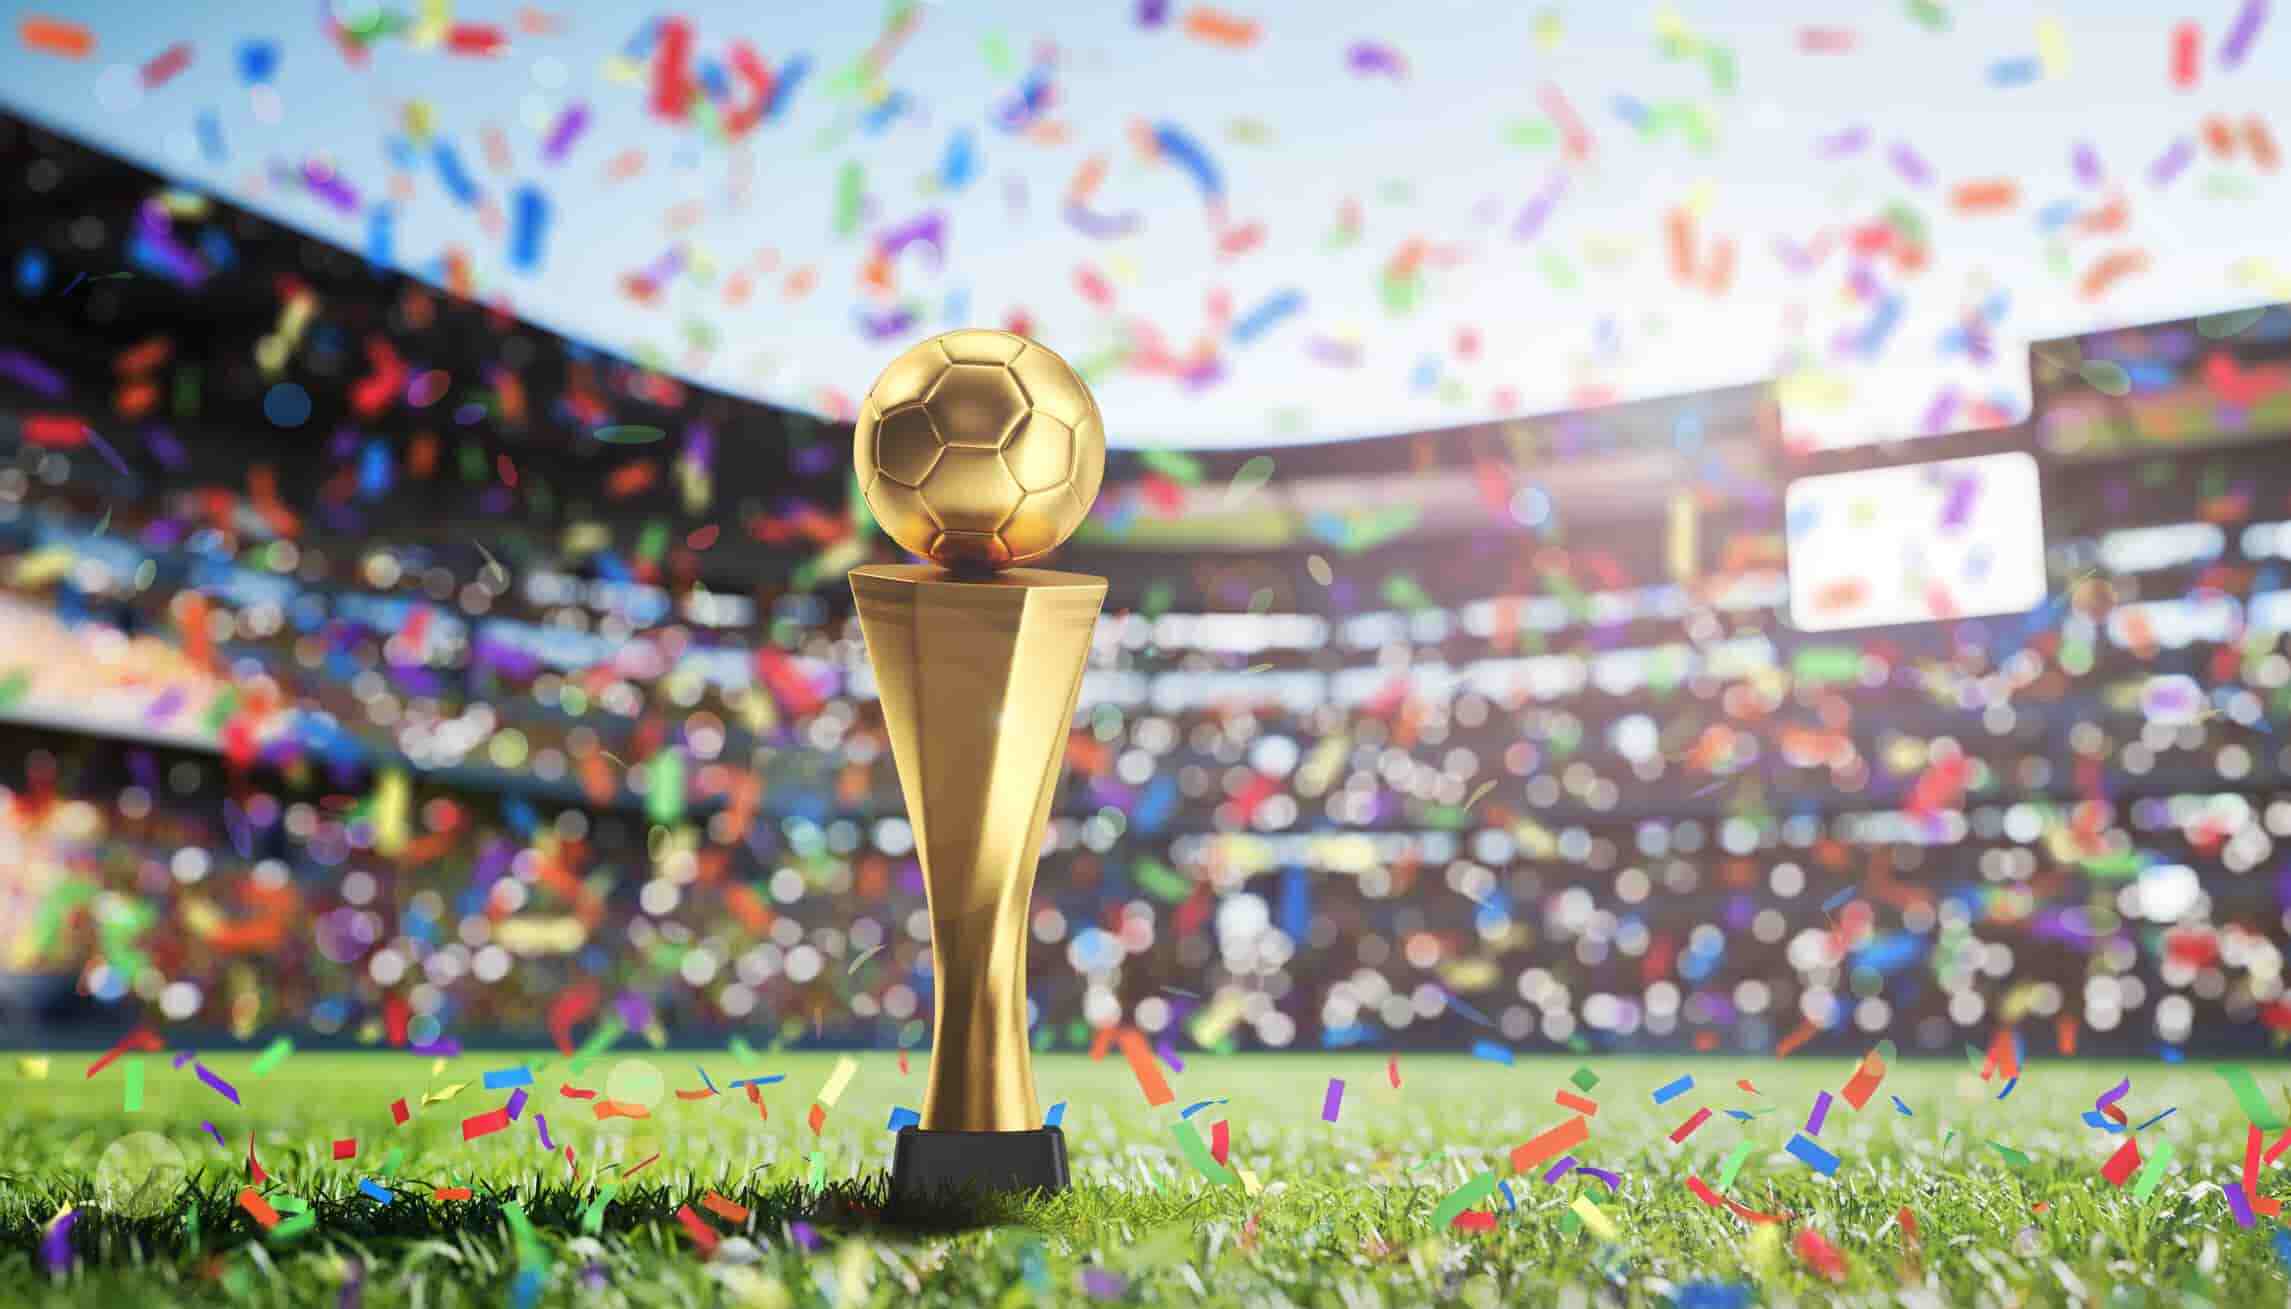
pixel 979 449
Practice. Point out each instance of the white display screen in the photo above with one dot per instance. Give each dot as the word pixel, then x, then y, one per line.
pixel 1916 543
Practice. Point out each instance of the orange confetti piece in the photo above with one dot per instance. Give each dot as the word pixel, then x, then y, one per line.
pixel 452 1193
pixel 1569 1100
pixel 258 1208
pixel 1740 1210
pixel 723 1208
pixel 55 36
pixel 1550 1144
pixel 1219 28
pixel 1989 196
pixel 649 1161
pixel 1143 1067
pixel 618 1109
pixel 2109 270
pixel 1864 1081
pixel 1795 1039
pixel 818 1119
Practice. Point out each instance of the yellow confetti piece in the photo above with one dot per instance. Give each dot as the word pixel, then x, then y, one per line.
pixel 2263 273
pixel 1596 1219
pixel 838 1080
pixel 1700 199
pixel 444 1093
pixel 2052 47
pixel 33 1066
pixel 1249 1182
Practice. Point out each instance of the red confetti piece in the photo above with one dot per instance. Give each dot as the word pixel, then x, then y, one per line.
pixel 1220 1141
pixel 481 40
pixel 902 1063
pixel 1691 1125
pixel 346 1148
pixel 1819 1255
pixel 398 1111
pixel 258 1208
pixel 2119 1167
pixel 1864 1081
pixel 697 1228
pixel 1550 1144
pixel 1825 40
pixel 1392 1070
pixel 2187 54
pixel 818 1117
pixel 452 1193
pixel 485 1124
pixel 1474 1220
pixel 572 1092
pixel 142 1038
pixel 58 431
pixel 2260 1204
pixel 165 65
pixel 506 470
pixel 1712 1198
pixel 723 1208
pixel 649 1161
pixel 254 1165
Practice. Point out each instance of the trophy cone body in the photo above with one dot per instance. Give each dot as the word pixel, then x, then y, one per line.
pixel 978 679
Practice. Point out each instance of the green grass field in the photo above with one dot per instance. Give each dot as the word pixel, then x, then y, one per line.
pixel 1343 1216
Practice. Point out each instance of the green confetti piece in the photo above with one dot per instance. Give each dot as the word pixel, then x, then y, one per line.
pixel 1189 1143
pixel 391 1160
pixel 1584 1079
pixel 1733 1164
pixel 272 1056
pixel 1821 665
pixel 1532 133
pixel 599 1041
pixel 629 434
pixel 817 1176
pixel 1462 1198
pixel 2255 1107
pixel 1249 478
pixel 14 687
pixel 131 1094
pixel 2013 1158
pixel 294 1227
pixel 593 1218
pixel 995 49
pixel 290 1204
pixel 2152 1173
pixel 1929 15
pixel 850 193
pixel 1159 881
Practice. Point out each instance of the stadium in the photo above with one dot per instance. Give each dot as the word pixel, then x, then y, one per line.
pixel 408 694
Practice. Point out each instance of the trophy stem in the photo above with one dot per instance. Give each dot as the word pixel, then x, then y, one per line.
pixel 978 679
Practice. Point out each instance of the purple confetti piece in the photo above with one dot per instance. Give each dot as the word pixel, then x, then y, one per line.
pixel 2237 43
pixel 2170 164
pixel 1538 208
pixel 883 327
pixel 1333 1102
pixel 330 187
pixel 1168 1052
pixel 567 129
pixel 516 1104
pixel 2238 1202
pixel 31 373
pixel 1937 414
pixel 1099 1284
pixel 169 704
pixel 1614 1181
pixel 1839 145
pixel 445 1047
pixel 541 1125
pixel 1153 13
pixel 1373 57
pixel 804 1234
pixel 1957 508
pixel 56 1248
pixel 213 1132
pixel 929 229
pixel 1560 1169
pixel 2086 161
pixel 1911 165
pixel 1820 1114
pixel 184 1058
pixel 1100 227
pixel 222 1088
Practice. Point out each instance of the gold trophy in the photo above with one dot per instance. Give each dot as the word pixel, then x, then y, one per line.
pixel 980 451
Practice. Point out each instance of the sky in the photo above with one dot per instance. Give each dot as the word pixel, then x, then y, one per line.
pixel 1278 318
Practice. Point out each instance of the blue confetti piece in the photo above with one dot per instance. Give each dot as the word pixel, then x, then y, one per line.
pixel 1813 1156
pixel 458 182
pixel 2283 1246
pixel 2157 1119
pixel 1196 1107
pixel 501 1079
pixel 1838 901
pixel 2010 1083
pixel 1904 1109
pixel 1666 1094
pixel 528 228
pixel 1056 1115
pixel 1714 1295
pixel 1492 1052
pixel 2017 71
pixel 704 1077
pixel 1511 1202
pixel 1740 1116
pixel 902 1117
pixel 759 1081
pixel 372 1189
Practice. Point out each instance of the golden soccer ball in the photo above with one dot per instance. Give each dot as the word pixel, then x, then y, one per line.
pixel 979 449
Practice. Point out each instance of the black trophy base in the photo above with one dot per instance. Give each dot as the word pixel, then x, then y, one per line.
pixel 947 1174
